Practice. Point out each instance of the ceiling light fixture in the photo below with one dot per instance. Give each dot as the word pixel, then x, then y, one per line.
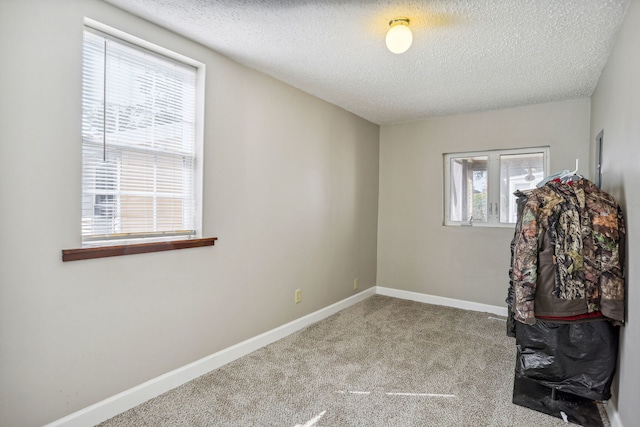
pixel 399 36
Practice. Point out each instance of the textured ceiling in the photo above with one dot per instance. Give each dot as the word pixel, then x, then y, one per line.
pixel 467 55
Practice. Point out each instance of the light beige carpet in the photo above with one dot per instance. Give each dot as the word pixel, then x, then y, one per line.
pixel 381 362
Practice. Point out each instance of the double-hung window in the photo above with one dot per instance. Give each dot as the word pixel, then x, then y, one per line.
pixel 479 186
pixel 141 142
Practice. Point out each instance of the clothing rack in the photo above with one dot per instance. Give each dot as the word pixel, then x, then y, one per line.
pixel 566 354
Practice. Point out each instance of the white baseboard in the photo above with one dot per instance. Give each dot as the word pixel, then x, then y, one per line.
pixel 139 394
pixel 436 300
pixel 612 413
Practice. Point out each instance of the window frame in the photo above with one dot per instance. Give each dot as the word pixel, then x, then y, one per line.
pixel 493 183
pixel 200 69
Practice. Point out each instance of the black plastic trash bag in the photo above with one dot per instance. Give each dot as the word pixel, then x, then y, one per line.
pixel 577 358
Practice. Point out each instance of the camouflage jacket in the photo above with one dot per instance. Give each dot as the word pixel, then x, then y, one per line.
pixel 567 253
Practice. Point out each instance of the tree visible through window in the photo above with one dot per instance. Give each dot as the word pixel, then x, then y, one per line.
pixel 138 143
pixel 479 186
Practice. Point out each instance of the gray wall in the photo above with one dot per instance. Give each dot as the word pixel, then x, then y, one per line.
pixel 616 109
pixel 290 190
pixel 415 251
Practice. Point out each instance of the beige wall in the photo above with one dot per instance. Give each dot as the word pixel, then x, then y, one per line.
pixel 616 109
pixel 290 190
pixel 415 251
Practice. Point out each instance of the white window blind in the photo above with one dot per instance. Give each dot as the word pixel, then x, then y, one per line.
pixel 138 143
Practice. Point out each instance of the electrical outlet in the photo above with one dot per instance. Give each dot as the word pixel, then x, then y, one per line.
pixel 298 295
pixel 355 284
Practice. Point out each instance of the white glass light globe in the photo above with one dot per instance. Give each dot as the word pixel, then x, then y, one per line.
pixel 399 38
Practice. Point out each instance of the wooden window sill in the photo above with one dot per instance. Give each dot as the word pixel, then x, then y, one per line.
pixel 139 248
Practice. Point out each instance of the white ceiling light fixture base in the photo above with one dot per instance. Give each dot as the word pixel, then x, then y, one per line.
pixel 399 37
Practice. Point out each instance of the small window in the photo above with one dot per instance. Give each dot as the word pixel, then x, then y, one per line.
pixel 479 186
pixel 140 146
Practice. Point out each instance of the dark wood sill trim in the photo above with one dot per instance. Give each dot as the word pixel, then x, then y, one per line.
pixel 139 248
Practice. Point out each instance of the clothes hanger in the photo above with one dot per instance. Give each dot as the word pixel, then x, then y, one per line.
pixel 552 177
pixel 573 172
pixel 571 176
pixel 562 176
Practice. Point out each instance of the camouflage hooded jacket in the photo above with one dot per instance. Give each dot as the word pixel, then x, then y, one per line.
pixel 567 253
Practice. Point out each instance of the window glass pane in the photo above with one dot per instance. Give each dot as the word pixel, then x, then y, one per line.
pixel 469 185
pixel 517 172
pixel 139 138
